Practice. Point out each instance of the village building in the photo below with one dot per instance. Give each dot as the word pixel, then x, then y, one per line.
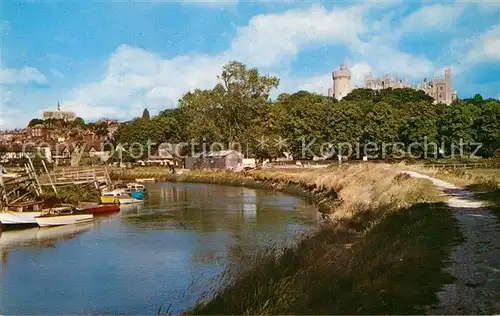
pixel 221 160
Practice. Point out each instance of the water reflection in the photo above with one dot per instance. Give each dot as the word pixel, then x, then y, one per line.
pixel 37 238
pixel 147 255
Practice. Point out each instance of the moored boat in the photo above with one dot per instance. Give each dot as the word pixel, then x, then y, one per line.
pixel 21 213
pixel 145 180
pixel 94 208
pixel 64 215
pixel 118 197
pixel 136 190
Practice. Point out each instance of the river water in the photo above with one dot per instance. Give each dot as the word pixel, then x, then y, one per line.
pixel 164 252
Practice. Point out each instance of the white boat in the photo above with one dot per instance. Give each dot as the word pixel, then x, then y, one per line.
pixel 145 180
pixel 21 213
pixel 65 215
pixel 18 218
pixel 127 199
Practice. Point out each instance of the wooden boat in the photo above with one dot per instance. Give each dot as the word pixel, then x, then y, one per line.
pixel 62 215
pixel 21 213
pixel 136 190
pixel 94 208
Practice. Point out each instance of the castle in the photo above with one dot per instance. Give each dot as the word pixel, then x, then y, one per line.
pixel 60 115
pixel 440 89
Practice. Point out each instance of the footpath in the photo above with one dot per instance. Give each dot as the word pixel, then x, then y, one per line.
pixel 476 262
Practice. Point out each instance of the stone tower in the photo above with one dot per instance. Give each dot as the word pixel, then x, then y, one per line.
pixel 341 82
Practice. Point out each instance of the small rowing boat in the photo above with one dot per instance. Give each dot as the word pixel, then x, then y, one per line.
pixel 63 215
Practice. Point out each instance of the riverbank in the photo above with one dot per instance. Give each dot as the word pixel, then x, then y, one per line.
pixel 382 251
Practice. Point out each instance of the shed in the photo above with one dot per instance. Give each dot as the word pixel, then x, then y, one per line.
pixel 221 160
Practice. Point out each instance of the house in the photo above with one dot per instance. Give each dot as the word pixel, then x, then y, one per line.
pixel 221 160
pixel 17 151
pixel 164 157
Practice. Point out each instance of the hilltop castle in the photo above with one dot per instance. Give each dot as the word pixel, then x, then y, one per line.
pixel 59 115
pixel 440 89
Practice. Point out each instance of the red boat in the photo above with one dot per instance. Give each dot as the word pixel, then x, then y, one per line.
pixel 94 208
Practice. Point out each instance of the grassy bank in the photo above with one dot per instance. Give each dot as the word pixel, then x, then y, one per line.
pixel 382 251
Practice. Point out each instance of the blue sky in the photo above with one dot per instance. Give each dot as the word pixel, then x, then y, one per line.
pixel 114 59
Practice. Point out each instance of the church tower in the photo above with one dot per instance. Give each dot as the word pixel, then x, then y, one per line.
pixel 341 82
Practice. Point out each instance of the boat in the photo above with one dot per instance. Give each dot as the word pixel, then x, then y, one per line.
pixel 136 190
pixel 118 197
pixel 63 215
pixel 94 208
pixel 145 180
pixel 21 213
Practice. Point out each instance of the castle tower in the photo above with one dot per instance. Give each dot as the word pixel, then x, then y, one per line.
pixel 341 82
pixel 448 86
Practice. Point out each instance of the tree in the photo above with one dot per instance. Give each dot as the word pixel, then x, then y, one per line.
pixel 145 114
pixel 34 122
pixel 456 124
pixel 78 123
pixel 381 124
pixel 343 125
pixel 303 120
pixel 487 126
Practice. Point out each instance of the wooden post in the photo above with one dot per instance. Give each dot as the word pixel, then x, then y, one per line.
pixel 35 176
pixel 50 178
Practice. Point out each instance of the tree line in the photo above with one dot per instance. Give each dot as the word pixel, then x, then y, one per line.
pixel 239 110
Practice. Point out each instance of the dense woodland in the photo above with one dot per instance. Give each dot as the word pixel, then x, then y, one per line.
pixel 239 109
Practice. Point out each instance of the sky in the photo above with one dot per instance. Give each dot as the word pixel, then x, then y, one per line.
pixel 113 59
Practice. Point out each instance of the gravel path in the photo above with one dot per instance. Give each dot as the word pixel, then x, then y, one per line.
pixel 476 263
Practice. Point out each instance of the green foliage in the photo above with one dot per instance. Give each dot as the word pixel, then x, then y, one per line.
pixel 35 122
pixel 78 122
pixel 238 109
pixel 145 114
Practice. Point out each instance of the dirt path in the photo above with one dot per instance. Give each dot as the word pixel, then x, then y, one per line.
pixel 476 263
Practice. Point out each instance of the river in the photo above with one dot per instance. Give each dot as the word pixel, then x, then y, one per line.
pixel 164 252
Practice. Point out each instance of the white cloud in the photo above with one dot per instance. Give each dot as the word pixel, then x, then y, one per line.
pixel 270 40
pixel 9 115
pixel 56 73
pixel 440 17
pixel 21 76
pixel 487 46
pixel 136 78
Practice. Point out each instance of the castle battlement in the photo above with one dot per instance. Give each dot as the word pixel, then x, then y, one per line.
pixel 440 89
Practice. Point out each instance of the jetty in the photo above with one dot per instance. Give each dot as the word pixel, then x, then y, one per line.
pixel 28 184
